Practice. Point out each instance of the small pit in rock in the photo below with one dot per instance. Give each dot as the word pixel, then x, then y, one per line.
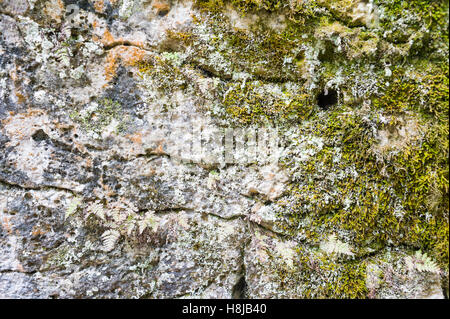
pixel 240 289
pixel 39 135
pixel 326 99
pixel 163 12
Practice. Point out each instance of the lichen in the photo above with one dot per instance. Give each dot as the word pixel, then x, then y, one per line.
pixel 358 91
pixel 396 198
pixel 99 115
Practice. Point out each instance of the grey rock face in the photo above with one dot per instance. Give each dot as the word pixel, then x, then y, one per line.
pixel 115 176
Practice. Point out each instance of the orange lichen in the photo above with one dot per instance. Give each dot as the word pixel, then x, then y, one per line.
pixel 125 51
pixel 23 125
pixel 159 150
pixel 6 225
pixel 108 40
pixel 127 55
pixel 54 10
pixel 161 6
pixel 18 92
pixel 21 99
pixel 37 231
pixel 99 6
pixel 135 138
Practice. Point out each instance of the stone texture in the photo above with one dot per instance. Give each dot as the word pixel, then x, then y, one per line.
pixel 101 105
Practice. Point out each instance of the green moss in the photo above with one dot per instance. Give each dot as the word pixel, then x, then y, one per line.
pixel 378 199
pixel 375 198
pixel 427 92
pixel 183 37
pixel 414 15
pixel 298 11
pixel 401 199
pixel 328 278
pixel 163 71
pixel 264 52
pixel 242 5
pixel 97 120
pixel 248 5
pixel 317 275
pixel 252 102
pixel 431 12
pixel 210 5
pixel 270 54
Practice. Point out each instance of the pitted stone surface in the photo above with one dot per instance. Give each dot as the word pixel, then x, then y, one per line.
pixel 116 176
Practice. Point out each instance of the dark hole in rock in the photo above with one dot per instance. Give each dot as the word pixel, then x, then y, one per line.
pixel 240 289
pixel 327 99
pixel 300 57
pixel 327 53
pixel 39 135
pixel 163 12
pixel 205 72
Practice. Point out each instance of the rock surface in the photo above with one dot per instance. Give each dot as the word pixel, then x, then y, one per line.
pixel 223 149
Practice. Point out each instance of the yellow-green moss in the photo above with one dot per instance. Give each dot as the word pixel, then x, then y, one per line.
pixel 163 71
pixel 427 92
pixel 317 275
pixel 395 199
pixel 416 14
pixel 251 103
pixel 267 53
pixel 242 5
pixel 97 120
pixel 328 278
